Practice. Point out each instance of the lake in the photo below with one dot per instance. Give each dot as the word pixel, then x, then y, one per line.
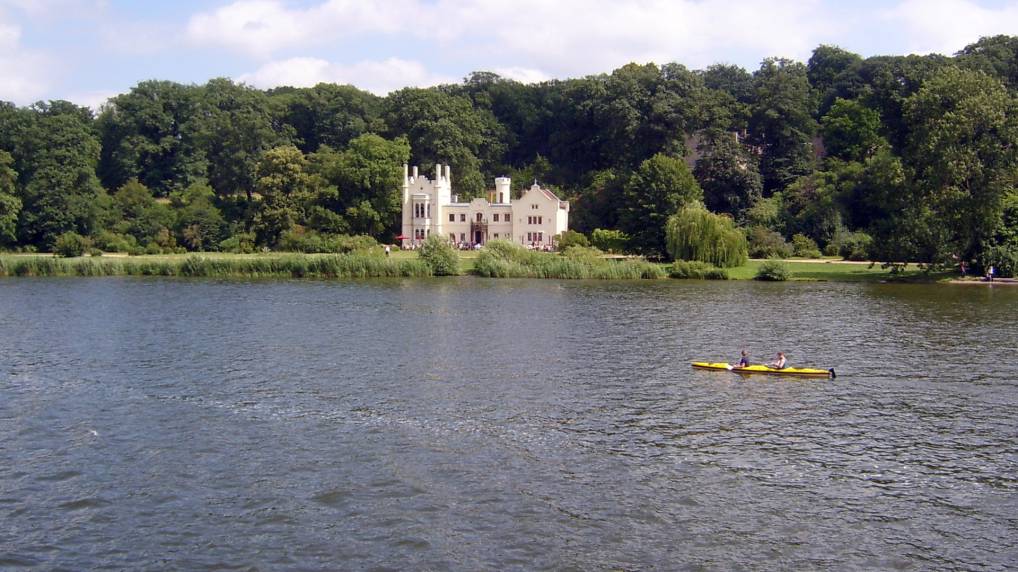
pixel 471 424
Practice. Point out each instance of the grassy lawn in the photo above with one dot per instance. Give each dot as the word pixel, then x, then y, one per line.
pixel 836 270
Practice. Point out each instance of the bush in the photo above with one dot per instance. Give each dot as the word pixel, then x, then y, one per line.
pixel 303 240
pixel 439 254
pixel 240 243
pixel 694 233
pixel 571 238
pixel 773 271
pixel 1003 257
pixel 856 246
pixel 113 242
pixel 804 246
pixel 582 252
pixel 71 244
pixel 613 241
pixel 765 243
pixel 696 270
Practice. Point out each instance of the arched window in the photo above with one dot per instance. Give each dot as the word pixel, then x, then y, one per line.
pixel 478 217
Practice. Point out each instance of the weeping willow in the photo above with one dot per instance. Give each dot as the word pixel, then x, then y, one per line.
pixel 694 233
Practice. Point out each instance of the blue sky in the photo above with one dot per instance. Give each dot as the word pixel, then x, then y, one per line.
pixel 88 50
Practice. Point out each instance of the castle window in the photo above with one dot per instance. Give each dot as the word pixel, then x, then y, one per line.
pixel 507 217
pixel 463 237
pixel 500 197
pixel 452 218
pixel 429 210
pixel 540 220
pixel 494 217
pixel 533 207
pixel 478 217
pixel 496 234
pixel 452 237
pixel 463 217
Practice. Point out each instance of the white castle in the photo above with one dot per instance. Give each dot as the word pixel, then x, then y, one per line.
pixel 429 207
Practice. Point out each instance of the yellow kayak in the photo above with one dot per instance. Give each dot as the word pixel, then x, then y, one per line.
pixel 759 368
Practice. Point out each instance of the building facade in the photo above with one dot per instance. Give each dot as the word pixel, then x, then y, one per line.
pixel 430 207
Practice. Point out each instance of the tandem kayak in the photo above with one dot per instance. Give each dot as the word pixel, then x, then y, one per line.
pixel 796 371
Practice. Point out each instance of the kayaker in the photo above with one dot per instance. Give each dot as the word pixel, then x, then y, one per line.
pixel 744 360
pixel 778 363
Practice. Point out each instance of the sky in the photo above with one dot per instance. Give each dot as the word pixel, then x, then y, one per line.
pixel 86 51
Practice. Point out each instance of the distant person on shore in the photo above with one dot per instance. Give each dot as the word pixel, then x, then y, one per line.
pixel 744 360
pixel 780 362
pixel 990 272
pixel 963 267
pixel 386 250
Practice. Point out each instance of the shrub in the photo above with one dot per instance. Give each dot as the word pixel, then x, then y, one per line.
pixel 614 241
pixel 856 246
pixel 582 252
pixel 804 246
pixel 71 244
pixel 303 240
pixel 240 243
pixel 571 238
pixel 1003 257
pixel 696 270
pixel 773 271
pixel 694 233
pixel 766 243
pixel 113 242
pixel 437 253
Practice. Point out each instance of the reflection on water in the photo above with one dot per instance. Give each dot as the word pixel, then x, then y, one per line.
pixel 470 424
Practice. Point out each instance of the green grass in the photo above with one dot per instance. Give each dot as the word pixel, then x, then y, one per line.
pixel 836 271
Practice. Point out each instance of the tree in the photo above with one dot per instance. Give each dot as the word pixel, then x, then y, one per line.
pixel 696 234
pixel 446 129
pixel 10 204
pixel 659 188
pixel 782 122
pixel 61 191
pixel 139 215
pixel 962 153
pixel 728 175
pixel 439 254
pixel 328 114
pixel 851 130
pixel 200 224
pixel 827 70
pixel 149 134
pixel 285 187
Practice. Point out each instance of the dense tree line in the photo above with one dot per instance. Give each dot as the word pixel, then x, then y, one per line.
pixel 891 158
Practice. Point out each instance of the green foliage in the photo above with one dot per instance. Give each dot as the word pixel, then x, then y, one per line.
pixel 10 203
pixel 782 122
pixel 300 239
pixel 659 188
pixel 851 130
pixel 696 270
pixel 503 259
pixel 571 238
pixel 729 176
pixel 70 244
pixel 855 246
pixel 962 151
pixel 804 246
pixel 239 243
pixel 697 234
pixel 773 271
pixel 109 241
pixel 765 243
pixel 440 256
pixel 608 240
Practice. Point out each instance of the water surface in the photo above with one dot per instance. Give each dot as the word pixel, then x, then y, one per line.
pixel 469 424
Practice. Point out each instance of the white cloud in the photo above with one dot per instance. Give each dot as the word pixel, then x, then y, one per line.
pixel 378 77
pixel 523 75
pixel 946 26
pixel 93 100
pixel 261 27
pixel 23 73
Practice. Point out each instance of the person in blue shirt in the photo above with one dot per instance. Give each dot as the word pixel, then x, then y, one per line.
pixel 744 360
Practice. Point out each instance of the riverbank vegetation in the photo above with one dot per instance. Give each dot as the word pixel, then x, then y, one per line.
pixel 891 158
pixel 499 260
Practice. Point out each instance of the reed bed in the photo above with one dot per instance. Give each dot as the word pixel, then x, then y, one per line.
pixel 289 266
pixel 500 259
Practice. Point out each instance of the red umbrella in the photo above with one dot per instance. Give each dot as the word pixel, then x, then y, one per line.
pixel 401 237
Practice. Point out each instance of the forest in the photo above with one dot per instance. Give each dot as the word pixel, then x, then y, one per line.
pixel 886 158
